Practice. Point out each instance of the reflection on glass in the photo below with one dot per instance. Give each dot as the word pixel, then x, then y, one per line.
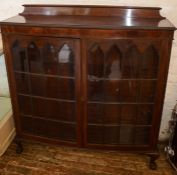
pixel 149 63
pixel 145 113
pixel 108 66
pixel 19 57
pixel 95 113
pixel 64 54
pixel 25 105
pixel 66 89
pixel 95 90
pixel 104 113
pixel 66 61
pixel 129 21
pixel 128 114
pixel 147 91
pixel 113 63
pixel 22 83
pixel 50 59
pixel 131 63
pixel 96 62
pixel 111 134
pixel 142 135
pixel 35 60
pixel 126 135
pixel 53 109
pixel 129 13
pixel 113 91
pixel 117 93
pixel 53 87
pixel 95 134
pixel 38 85
pixel 49 128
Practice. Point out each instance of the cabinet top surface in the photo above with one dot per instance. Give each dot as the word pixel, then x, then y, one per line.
pixel 97 17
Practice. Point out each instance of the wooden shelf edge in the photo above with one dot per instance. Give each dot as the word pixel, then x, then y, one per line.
pixel 92 10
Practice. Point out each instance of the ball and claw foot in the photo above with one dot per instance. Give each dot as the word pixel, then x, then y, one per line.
pixel 19 148
pixel 152 163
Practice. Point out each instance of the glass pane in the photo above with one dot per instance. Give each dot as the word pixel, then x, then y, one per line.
pixel 144 116
pixel 27 124
pixel 95 113
pixel 61 111
pixel 96 62
pixel 126 135
pixel 130 63
pixel 66 61
pixel 127 92
pixel 112 119
pixel 20 61
pixel 50 59
pixel 25 106
pixel 35 58
pixel 51 87
pixel 113 63
pixel 113 91
pixel 51 129
pixel 112 113
pixel 95 90
pixel 66 88
pixel 38 85
pixel 111 134
pixel 128 114
pixel 22 83
pixel 104 113
pixel 95 134
pixel 142 135
pixel 149 63
pixel 147 91
pixel 100 134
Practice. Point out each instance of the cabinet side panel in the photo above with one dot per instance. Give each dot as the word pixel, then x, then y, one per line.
pixel 11 80
pixel 165 53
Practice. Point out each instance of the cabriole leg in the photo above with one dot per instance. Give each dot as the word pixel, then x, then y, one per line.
pixel 152 161
pixel 19 146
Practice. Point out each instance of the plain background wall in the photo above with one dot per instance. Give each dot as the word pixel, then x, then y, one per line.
pixel 10 8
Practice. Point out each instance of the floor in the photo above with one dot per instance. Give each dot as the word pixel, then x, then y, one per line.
pixel 44 159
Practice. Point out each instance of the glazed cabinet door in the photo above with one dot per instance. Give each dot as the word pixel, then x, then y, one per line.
pixel 121 78
pixel 47 85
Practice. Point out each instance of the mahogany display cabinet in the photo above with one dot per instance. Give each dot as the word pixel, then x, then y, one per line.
pixel 89 76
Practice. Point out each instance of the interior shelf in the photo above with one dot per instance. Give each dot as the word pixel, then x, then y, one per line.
pixel 44 75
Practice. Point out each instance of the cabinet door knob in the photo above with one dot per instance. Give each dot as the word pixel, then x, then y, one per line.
pixel 117 90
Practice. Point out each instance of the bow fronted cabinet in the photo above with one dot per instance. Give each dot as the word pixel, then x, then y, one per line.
pixel 89 76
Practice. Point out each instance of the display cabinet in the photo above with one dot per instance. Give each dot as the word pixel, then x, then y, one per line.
pixel 90 76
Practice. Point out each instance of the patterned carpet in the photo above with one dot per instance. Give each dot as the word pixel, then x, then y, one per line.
pixel 43 159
